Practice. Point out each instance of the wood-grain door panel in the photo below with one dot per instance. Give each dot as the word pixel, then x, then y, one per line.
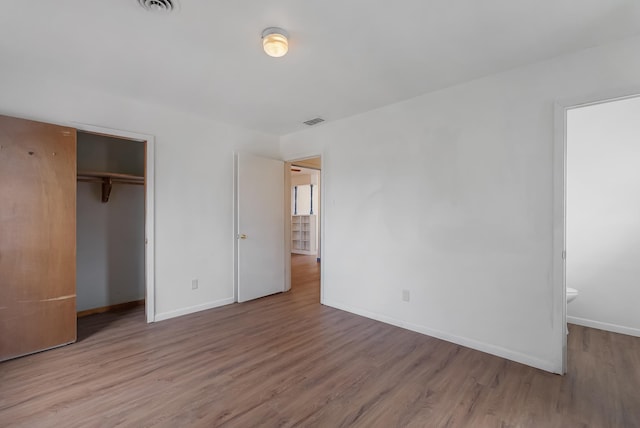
pixel 37 236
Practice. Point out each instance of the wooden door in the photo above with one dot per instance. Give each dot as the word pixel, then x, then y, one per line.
pixel 37 236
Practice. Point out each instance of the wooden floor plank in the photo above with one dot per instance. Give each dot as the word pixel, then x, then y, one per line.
pixel 286 360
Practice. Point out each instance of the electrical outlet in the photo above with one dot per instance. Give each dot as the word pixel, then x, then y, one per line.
pixel 406 295
pixel 194 284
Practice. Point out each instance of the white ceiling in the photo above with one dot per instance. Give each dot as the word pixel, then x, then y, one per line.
pixel 345 57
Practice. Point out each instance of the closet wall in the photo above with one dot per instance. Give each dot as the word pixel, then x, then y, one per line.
pixel 110 236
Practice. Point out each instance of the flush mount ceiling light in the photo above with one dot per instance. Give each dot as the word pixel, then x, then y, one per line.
pixel 159 5
pixel 275 42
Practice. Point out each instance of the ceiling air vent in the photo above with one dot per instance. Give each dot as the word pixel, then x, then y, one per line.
pixel 312 122
pixel 158 5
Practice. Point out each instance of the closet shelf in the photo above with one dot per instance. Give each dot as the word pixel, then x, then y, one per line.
pixel 107 179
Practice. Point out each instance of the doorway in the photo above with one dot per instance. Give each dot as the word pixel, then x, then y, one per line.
pixel 603 215
pixel 304 193
pixel 597 214
pixel 110 223
pixel 263 217
pixel 115 207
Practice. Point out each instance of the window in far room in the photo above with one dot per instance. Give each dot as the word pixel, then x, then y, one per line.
pixel 304 199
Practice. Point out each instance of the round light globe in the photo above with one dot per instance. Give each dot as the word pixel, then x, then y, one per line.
pixel 274 42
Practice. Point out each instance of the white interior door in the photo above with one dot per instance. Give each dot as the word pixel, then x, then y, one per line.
pixel 259 226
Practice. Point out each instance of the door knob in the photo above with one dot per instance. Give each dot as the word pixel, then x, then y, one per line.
pixel 243 236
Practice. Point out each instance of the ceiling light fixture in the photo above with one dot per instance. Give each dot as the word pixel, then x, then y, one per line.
pixel 275 42
pixel 159 5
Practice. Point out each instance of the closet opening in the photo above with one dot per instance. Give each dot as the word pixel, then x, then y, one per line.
pixel 110 223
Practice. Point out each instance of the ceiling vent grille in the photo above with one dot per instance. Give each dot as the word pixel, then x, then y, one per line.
pixel 312 122
pixel 158 5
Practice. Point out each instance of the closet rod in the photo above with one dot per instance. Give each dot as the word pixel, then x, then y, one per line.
pixel 113 180
pixel 107 179
pixel 113 175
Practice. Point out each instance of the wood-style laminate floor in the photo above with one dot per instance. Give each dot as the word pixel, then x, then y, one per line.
pixel 285 360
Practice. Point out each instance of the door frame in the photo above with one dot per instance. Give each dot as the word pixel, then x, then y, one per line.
pixel 560 200
pixel 287 220
pixel 149 203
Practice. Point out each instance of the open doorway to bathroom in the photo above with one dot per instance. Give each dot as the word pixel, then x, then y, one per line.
pixel 603 215
pixel 597 237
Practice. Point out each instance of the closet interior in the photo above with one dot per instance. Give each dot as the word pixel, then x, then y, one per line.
pixel 110 217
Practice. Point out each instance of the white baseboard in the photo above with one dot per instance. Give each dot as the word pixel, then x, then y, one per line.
pixel 191 309
pixel 498 351
pixel 604 326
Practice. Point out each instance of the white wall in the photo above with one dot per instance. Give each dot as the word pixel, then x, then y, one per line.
pixel 603 215
pixel 102 153
pixel 110 246
pixel 475 249
pixel 193 181
pixel 300 179
pixel 109 236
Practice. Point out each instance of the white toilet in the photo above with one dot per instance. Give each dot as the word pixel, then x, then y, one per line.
pixel 572 293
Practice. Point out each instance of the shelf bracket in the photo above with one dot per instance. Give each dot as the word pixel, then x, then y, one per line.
pixel 107 183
